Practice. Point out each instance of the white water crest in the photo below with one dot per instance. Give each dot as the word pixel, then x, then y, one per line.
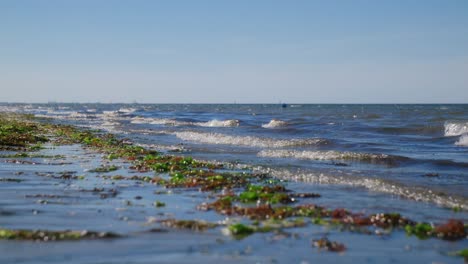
pixel 377 185
pixel 217 138
pixel 455 128
pixel 158 121
pixel 463 141
pixel 275 123
pixel 127 110
pixel 324 155
pixel 173 122
pixel 220 123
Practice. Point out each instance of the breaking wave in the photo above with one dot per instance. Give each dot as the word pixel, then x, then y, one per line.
pixel 274 123
pixel 217 138
pixel 220 123
pixel 463 141
pixel 416 193
pixel 158 121
pixel 455 128
pixel 173 122
pixel 332 155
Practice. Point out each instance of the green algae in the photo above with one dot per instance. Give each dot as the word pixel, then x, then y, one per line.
pixel 240 230
pixel 105 169
pixel 242 190
pixel 159 204
pixel 30 155
pixel 18 133
pixel 420 230
pixel 463 253
pixel 45 235
pixel 194 225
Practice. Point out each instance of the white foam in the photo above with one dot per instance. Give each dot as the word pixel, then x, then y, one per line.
pixel 217 138
pixel 172 122
pixel 76 115
pixel 321 155
pixel 174 148
pixel 463 141
pixel 378 185
pixel 274 123
pixel 455 128
pixel 127 110
pixel 219 123
pixel 109 124
pixel 157 121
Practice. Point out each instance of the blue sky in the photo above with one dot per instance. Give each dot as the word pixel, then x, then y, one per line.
pixel 244 51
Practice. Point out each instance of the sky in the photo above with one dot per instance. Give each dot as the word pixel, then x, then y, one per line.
pixel 239 51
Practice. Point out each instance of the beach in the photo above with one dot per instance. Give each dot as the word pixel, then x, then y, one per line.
pixel 116 183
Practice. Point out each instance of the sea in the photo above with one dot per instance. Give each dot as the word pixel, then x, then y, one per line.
pixel 406 158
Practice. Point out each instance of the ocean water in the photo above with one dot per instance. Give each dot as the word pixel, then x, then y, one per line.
pixel 411 159
pixel 414 152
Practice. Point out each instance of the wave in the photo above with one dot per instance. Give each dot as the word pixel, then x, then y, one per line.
pixel 463 141
pixel 127 110
pixel 220 123
pixel 217 138
pixel 333 155
pixel 455 128
pixel 416 193
pixel 168 148
pixel 158 121
pixel 274 123
pixel 67 115
pixel 173 122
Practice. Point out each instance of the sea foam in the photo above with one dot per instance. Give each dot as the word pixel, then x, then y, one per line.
pixel 217 138
pixel 173 122
pixel 455 128
pixel 219 123
pixel 463 141
pixel 416 193
pixel 330 155
pixel 274 123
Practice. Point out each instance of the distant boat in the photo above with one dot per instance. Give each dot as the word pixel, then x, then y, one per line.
pixel 284 105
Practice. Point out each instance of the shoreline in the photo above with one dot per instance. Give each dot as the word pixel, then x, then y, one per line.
pixel 237 203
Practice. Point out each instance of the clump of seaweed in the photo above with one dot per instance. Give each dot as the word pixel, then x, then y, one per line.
pixel 16 134
pixel 254 196
pixel 452 230
pixel 194 225
pixel 44 235
pixel 324 243
pixel 105 169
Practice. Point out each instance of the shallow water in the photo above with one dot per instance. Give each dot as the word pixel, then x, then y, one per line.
pixel 410 145
pixel 369 158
